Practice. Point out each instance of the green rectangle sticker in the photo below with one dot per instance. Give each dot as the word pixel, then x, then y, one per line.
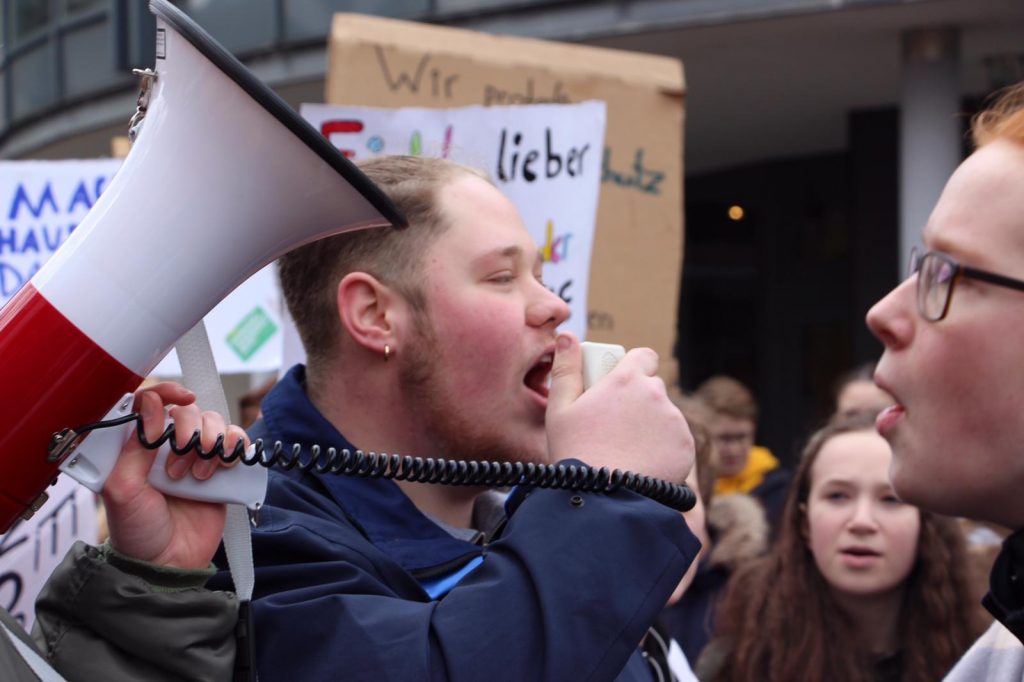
pixel 251 333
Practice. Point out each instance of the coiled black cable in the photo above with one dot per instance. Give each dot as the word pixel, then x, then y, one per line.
pixel 419 469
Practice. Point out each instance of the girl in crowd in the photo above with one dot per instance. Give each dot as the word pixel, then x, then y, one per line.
pixel 859 586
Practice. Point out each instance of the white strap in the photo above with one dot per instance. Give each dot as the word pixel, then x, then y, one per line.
pixel 32 659
pixel 199 373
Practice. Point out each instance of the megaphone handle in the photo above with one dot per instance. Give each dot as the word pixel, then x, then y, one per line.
pixel 91 462
pixel 245 485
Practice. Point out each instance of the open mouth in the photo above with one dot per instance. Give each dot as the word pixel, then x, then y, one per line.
pixel 888 418
pixel 860 552
pixel 537 378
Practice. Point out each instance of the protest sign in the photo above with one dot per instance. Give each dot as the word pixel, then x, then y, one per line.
pixel 43 202
pixel 544 158
pixel 244 329
pixel 638 245
pixel 31 549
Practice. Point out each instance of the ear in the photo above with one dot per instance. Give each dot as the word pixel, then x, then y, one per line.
pixel 366 308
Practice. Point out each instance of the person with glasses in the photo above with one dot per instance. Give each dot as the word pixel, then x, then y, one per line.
pixel 741 466
pixel 953 333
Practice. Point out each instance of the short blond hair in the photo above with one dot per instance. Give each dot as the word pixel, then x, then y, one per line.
pixel 310 274
pixel 725 395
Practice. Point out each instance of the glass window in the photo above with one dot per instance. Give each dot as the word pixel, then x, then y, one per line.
pixel 3 101
pixel 76 7
pixel 88 60
pixel 470 6
pixel 33 86
pixel 311 19
pixel 241 26
pixel 30 17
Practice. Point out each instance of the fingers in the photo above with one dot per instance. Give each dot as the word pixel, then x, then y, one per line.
pixel 211 426
pixel 566 373
pixel 234 435
pixel 169 392
pixel 643 360
pixel 151 408
pixel 187 420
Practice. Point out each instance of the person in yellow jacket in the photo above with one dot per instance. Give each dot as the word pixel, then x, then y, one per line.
pixel 741 466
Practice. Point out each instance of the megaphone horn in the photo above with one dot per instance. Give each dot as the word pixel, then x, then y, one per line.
pixel 223 178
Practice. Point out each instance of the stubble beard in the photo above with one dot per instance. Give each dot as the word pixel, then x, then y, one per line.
pixel 451 433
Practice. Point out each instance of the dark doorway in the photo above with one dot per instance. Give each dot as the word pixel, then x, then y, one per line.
pixel 783 260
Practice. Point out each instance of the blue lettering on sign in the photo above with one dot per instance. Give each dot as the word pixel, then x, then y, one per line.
pixel 33 239
pixel 21 197
pixel 80 198
pixel 11 279
pixel 30 243
pixel 55 238
pixel 41 219
pixel 8 240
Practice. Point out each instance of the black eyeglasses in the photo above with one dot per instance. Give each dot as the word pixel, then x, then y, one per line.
pixel 937 274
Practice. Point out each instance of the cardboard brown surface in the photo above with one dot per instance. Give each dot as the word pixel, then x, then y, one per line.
pixel 638 248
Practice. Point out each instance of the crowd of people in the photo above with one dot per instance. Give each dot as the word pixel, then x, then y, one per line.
pixel 442 339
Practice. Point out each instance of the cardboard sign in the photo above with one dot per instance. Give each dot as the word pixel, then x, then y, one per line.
pixel 31 549
pixel 544 158
pixel 638 245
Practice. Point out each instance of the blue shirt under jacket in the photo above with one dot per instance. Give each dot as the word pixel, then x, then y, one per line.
pixel 353 582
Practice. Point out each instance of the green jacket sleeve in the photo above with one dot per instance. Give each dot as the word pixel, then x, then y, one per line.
pixel 103 616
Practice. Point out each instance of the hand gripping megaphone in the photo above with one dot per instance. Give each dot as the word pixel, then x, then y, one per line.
pixel 222 179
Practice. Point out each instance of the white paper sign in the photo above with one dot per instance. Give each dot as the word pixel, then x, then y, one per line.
pixel 245 329
pixel 545 158
pixel 31 549
pixel 43 202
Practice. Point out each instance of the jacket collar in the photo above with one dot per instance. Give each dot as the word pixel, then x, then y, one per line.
pixel 384 513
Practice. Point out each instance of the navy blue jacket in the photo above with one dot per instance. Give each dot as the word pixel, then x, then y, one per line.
pixel 353 582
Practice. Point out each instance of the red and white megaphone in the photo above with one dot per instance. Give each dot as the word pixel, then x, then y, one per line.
pixel 223 178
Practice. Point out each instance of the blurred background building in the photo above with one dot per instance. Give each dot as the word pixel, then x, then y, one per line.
pixel 818 135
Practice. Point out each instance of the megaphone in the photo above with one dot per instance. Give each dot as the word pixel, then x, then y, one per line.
pixel 222 179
